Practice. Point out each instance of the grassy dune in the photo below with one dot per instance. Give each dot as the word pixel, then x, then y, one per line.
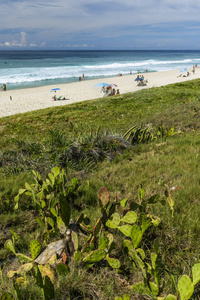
pixel 42 139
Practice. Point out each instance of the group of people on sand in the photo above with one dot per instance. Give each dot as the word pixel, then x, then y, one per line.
pixel 186 73
pixel 109 91
pixel 141 81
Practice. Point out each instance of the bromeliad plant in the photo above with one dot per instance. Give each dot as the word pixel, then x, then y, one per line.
pixel 141 134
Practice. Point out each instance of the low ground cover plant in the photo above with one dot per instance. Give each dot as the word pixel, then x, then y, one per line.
pixel 141 243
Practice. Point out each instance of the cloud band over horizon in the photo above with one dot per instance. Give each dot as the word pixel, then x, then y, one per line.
pixel 95 24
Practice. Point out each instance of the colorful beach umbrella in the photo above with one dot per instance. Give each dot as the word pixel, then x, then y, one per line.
pixel 112 85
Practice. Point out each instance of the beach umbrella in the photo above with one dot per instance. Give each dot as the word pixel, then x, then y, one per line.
pixel 56 89
pixel 102 84
pixel 183 71
pixel 138 79
pixel 112 85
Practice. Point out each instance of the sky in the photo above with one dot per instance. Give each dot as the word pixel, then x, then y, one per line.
pixel 95 24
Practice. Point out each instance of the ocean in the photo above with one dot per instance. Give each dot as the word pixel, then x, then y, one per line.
pixel 23 69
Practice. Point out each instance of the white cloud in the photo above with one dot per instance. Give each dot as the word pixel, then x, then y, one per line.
pixel 14 43
pixel 90 21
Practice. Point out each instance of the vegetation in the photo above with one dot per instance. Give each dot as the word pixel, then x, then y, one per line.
pixel 117 181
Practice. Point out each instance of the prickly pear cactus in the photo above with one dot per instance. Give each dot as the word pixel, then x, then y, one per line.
pixel 113 221
pixel 113 262
pixel 104 196
pixel 95 256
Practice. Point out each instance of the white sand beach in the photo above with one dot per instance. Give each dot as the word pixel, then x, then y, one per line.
pixel 24 100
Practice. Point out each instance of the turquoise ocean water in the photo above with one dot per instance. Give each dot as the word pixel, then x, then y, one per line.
pixel 23 69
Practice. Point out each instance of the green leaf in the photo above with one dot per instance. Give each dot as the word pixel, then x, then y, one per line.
pixel 185 287
pixel 10 274
pixel 126 297
pixel 54 212
pixel 95 256
pixel 24 268
pixel 52 178
pixel 154 288
pixel 16 198
pixel 127 244
pixel 113 221
pixel 61 225
pixel 155 221
pixel 55 171
pixel 62 269
pixel 35 248
pixel 7 296
pixel 153 199
pixel 171 203
pixel 48 289
pixel 103 243
pixel 23 258
pixel 153 260
pixel 141 252
pixel 142 193
pixel 145 224
pixel 125 229
pixel 136 235
pixel 97 227
pixel 21 191
pixel 38 276
pixel 130 217
pixel 28 187
pixel 138 261
pixel 9 246
pixel 113 262
pixel 196 273
pixel 139 287
pixel 169 297
pixel 123 202
pixel 75 240
pixel 77 256
pixel 65 209
pixel 43 204
pixel 50 222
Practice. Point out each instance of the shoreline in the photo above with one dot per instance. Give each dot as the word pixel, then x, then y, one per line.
pixel 30 99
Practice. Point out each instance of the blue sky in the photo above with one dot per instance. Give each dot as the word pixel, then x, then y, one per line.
pixel 95 24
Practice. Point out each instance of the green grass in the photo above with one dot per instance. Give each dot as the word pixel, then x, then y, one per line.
pixel 40 140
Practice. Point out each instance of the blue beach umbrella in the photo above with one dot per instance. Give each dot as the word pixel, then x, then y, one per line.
pixel 183 71
pixel 102 84
pixel 56 89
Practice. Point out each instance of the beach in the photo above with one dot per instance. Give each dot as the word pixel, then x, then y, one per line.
pixel 30 99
